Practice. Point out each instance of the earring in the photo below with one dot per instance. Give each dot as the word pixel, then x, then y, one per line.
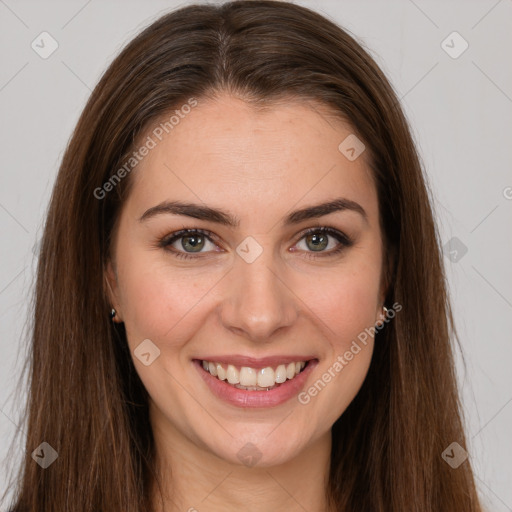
pixel 380 323
pixel 112 314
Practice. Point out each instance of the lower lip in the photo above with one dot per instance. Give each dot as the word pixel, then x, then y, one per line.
pixel 243 398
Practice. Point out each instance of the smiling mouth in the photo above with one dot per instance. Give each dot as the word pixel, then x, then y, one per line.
pixel 253 379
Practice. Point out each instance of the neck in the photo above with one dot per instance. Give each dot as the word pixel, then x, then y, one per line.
pixel 194 479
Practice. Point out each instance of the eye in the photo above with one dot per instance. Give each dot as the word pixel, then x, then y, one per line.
pixel 316 240
pixel 188 240
pixel 189 243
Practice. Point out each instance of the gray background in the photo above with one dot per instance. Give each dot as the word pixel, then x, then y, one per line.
pixel 460 110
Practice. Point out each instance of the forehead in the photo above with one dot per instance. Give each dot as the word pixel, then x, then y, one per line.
pixel 225 150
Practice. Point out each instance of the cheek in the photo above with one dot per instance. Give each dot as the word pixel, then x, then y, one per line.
pixel 341 374
pixel 157 297
pixel 346 304
pixel 350 308
pixel 345 299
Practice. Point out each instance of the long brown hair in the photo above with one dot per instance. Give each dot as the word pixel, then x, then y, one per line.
pixel 85 397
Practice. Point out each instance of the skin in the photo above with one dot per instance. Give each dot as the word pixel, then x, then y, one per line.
pixel 258 166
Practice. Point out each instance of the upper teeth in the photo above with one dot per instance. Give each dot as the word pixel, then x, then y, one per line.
pixel 247 376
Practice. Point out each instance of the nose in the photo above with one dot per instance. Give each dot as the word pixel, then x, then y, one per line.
pixel 258 301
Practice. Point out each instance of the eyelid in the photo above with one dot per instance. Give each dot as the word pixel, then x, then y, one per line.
pixel 176 235
pixel 336 233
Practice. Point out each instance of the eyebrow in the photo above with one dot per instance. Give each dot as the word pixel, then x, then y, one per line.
pixel 202 212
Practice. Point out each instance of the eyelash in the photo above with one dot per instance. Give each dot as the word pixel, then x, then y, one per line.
pixel 344 241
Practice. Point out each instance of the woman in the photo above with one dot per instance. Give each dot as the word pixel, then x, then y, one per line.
pixel 240 299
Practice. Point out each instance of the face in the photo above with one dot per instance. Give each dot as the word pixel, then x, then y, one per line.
pixel 262 283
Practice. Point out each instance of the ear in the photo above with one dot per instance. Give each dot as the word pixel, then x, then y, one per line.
pixel 112 289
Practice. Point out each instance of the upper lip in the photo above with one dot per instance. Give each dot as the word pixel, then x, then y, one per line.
pixel 253 362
